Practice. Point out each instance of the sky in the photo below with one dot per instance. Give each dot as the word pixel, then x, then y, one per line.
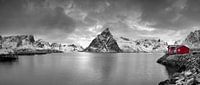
pixel 79 21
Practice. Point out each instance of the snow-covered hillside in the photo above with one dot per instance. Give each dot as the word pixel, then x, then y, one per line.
pixel 28 42
pixel 193 39
pixel 142 45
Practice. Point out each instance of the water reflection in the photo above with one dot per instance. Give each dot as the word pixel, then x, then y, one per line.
pixel 11 62
pixel 84 69
pixel 104 66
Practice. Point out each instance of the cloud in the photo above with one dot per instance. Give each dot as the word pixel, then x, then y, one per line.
pixel 170 14
pixel 33 17
pixel 139 18
pixel 60 19
pixel 192 11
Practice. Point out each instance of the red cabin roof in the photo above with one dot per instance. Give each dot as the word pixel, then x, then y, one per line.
pixel 178 49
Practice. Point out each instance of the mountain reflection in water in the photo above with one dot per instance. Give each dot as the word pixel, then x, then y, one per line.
pixel 84 69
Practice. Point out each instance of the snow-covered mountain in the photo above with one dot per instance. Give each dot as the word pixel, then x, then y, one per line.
pixel 178 42
pixel 20 42
pixel 42 44
pixel 72 48
pixel 16 41
pixel 104 42
pixel 67 48
pixel 142 45
pixel 193 39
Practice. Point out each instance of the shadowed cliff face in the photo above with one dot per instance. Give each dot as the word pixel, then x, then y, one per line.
pixel 104 42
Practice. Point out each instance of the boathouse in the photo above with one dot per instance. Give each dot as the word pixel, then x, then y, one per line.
pixel 178 49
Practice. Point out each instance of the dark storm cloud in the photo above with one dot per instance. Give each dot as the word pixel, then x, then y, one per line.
pixel 160 14
pixel 33 16
pixel 171 14
pixel 56 18
pixel 192 10
pixel 154 11
pixel 37 14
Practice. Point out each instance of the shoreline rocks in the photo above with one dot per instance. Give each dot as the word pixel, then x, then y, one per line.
pixel 187 69
pixel 179 60
pixel 188 77
pixel 8 57
pixel 35 52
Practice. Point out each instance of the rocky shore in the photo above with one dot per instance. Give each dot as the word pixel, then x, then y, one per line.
pixel 12 54
pixel 35 52
pixel 8 57
pixel 187 69
pixel 12 46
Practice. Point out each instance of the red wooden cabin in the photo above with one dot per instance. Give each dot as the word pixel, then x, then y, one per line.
pixel 178 49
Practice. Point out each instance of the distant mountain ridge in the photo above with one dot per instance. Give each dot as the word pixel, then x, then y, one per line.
pixel 16 41
pixel 28 43
pixel 192 40
pixel 105 42
pixel 142 45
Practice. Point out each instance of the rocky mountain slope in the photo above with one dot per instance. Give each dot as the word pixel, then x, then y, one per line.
pixel 142 45
pixel 16 41
pixel 67 48
pixel 104 42
pixel 72 48
pixel 193 39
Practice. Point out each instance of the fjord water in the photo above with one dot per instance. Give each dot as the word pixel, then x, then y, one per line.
pixel 84 69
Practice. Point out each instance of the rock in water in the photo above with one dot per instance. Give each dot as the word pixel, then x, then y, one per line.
pixel 104 42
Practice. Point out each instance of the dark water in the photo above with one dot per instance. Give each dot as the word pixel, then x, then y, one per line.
pixel 84 69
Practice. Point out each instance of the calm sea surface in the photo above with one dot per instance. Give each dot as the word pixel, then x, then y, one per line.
pixel 84 69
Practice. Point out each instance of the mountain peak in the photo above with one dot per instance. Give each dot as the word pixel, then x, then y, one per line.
pixel 107 30
pixel 104 42
pixel 106 33
pixel 193 39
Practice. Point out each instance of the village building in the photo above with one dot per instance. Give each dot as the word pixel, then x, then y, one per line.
pixel 178 49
